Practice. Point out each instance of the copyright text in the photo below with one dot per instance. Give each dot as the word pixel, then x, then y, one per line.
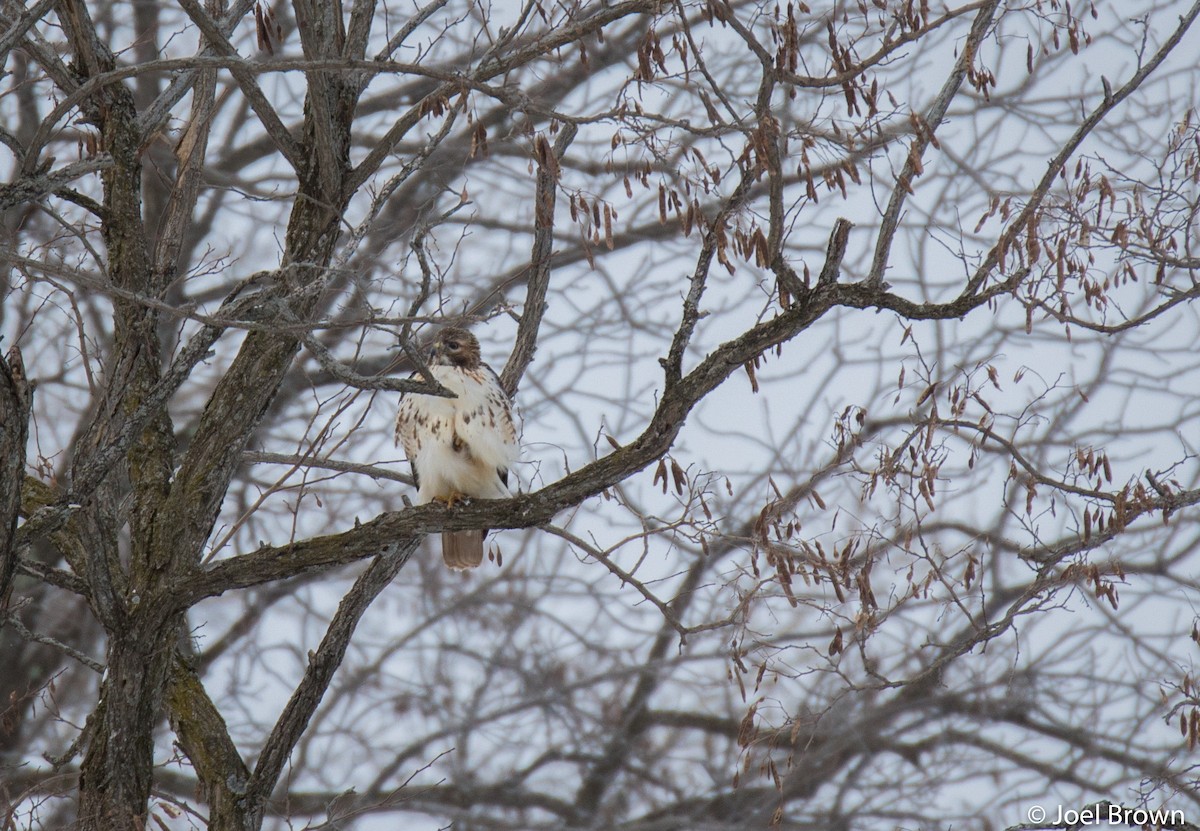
pixel 1103 813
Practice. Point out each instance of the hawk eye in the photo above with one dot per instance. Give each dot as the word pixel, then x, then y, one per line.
pixel 452 344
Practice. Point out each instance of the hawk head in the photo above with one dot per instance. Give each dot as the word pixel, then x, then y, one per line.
pixel 454 347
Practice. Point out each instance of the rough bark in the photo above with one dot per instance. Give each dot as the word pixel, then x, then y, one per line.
pixel 204 737
pixel 16 402
pixel 116 773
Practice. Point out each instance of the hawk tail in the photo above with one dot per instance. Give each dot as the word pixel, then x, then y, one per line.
pixel 462 549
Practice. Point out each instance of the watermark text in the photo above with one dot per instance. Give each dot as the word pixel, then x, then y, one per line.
pixel 1103 813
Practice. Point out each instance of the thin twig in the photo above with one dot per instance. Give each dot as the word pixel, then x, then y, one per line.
pixel 326 464
pixel 11 619
pixel 343 373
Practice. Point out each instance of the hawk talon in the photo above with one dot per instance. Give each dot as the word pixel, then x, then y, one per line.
pixel 454 499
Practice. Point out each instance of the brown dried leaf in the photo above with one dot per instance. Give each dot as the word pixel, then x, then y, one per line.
pixel 747 732
pixel 835 645
pixel 679 477
pixel 749 365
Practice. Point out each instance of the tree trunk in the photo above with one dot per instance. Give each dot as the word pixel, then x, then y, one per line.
pixel 115 780
pixel 16 400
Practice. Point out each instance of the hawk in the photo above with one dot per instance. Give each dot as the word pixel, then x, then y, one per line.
pixel 460 447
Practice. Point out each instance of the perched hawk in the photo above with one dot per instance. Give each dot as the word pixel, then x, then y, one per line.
pixel 459 447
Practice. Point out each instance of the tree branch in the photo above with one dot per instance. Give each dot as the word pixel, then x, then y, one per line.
pixel 16 405
pixel 322 664
pixel 932 119
pixel 262 107
pixel 539 261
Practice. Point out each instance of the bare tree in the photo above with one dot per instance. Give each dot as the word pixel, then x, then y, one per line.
pixel 857 353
